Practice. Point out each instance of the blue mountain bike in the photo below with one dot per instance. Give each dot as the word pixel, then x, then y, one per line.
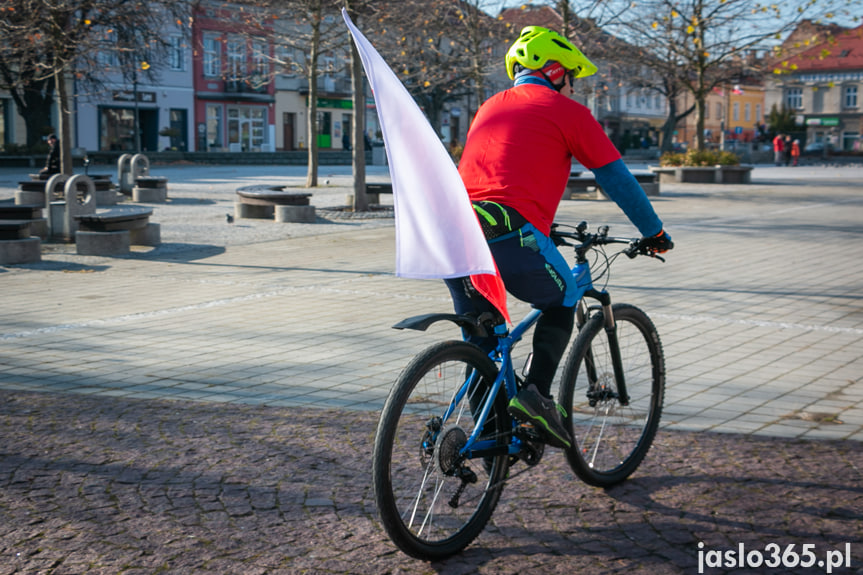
pixel 445 442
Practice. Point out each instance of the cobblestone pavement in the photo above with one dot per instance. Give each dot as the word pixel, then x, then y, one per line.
pixel 208 406
pixel 111 485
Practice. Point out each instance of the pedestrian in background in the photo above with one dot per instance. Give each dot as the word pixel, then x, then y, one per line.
pixel 778 150
pixel 52 162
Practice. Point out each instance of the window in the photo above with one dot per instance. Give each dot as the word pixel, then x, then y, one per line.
pixel 851 141
pixel 757 112
pixel 719 114
pixel 706 111
pixel 107 55
pixel 117 129
pixel 794 98
pixel 246 128
pixel 328 61
pixel 212 55
pixel 236 57
pixel 628 99
pixel 177 53
pixel 260 59
pixel 849 97
pixel 817 100
pixel 736 112
pixel 291 60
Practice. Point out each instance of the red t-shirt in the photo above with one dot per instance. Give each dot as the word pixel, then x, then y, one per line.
pixel 520 147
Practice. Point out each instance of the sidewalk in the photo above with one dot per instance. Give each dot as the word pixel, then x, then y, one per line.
pixel 179 409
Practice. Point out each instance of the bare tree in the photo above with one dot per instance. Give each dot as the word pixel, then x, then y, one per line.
pixel 307 29
pixel 483 41
pixel 22 73
pixel 698 45
pixel 440 49
pixel 48 43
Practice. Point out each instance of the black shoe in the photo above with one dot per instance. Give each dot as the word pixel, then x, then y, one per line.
pixel 530 406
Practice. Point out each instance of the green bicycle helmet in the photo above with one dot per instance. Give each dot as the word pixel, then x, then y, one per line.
pixel 536 46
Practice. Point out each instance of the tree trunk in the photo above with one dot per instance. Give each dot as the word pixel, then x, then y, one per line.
pixel 312 124
pixel 361 201
pixel 700 103
pixel 65 133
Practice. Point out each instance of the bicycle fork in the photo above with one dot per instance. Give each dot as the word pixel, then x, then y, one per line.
pixel 610 327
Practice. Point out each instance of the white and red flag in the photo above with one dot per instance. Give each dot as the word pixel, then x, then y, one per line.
pixel 437 231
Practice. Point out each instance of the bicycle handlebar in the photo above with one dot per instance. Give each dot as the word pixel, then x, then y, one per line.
pixel 600 238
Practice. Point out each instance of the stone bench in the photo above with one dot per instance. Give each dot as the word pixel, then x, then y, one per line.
pixel 270 201
pixel 150 189
pixel 29 212
pixel 16 244
pixel 374 190
pixel 584 186
pixel 20 211
pixel 14 229
pixel 112 232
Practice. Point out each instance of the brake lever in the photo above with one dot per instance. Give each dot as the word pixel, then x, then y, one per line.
pixel 635 248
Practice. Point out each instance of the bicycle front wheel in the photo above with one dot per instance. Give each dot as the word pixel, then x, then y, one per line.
pixel 612 434
pixel 432 501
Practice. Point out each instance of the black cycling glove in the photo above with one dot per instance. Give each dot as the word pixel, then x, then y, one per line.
pixel 658 244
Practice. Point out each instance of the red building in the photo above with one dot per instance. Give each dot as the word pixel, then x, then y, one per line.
pixel 234 93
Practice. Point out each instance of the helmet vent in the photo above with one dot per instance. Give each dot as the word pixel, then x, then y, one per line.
pixel 561 44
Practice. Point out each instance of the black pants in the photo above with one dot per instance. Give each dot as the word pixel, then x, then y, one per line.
pixel 531 269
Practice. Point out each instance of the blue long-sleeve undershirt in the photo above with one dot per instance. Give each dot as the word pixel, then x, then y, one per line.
pixel 620 185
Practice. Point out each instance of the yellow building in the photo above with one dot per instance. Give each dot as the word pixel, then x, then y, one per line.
pixel 733 112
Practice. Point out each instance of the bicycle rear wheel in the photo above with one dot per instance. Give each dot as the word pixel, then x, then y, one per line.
pixel 610 438
pixel 432 502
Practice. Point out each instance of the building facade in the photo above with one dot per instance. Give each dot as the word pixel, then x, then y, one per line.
pixel 234 108
pixel 823 85
pixel 335 115
pixel 732 113
pixel 147 107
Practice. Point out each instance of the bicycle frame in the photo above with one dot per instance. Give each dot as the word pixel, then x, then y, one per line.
pixel 502 354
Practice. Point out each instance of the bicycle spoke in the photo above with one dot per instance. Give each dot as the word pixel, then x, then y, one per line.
pixel 437 507
pixel 611 439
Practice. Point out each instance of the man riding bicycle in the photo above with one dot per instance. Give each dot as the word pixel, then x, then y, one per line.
pixel 515 166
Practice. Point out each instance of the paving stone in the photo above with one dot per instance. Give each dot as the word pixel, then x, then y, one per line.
pixel 208 405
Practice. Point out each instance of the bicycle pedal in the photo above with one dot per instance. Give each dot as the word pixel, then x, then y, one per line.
pixel 528 432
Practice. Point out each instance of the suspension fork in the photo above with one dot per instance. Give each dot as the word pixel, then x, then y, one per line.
pixel 613 344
